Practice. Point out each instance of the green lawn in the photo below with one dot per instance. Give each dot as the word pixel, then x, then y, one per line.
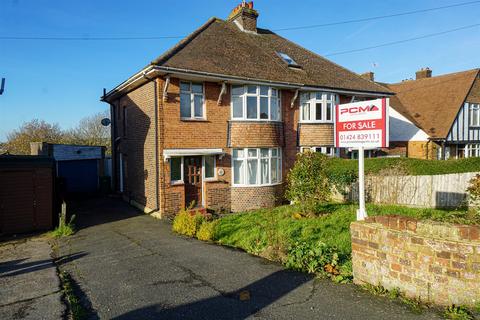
pixel 255 231
pixel 410 166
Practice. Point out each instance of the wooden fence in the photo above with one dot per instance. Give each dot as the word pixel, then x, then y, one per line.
pixel 435 191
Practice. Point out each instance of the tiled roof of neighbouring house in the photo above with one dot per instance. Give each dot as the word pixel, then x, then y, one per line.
pixel 220 47
pixel 432 104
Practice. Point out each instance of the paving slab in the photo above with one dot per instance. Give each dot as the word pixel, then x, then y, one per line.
pixel 29 285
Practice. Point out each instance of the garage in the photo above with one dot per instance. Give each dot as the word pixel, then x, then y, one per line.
pixel 26 194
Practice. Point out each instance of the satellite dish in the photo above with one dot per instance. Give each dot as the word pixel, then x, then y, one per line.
pixel 106 122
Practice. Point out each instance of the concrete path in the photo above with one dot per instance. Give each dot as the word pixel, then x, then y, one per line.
pixel 133 267
pixel 29 286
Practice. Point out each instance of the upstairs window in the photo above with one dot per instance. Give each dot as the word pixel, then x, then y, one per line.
pixel 191 100
pixel 475 115
pixel 288 60
pixel 317 106
pixel 253 102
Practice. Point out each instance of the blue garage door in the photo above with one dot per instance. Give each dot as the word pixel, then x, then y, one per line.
pixel 80 176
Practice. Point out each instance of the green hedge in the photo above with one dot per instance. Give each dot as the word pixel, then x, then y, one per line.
pixel 416 167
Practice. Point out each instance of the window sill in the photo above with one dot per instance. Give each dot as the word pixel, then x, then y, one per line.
pixel 193 120
pixel 256 120
pixel 177 183
pixel 255 185
pixel 316 122
pixel 210 180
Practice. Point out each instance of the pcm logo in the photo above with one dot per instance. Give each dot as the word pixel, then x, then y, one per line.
pixel 359 109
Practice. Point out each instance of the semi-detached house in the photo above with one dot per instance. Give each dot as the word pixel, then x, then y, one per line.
pixel 217 120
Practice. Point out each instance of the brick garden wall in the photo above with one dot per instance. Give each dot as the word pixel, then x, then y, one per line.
pixel 435 262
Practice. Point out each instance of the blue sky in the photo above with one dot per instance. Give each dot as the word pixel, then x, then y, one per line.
pixel 61 81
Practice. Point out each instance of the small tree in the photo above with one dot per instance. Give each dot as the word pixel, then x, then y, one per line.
pixel 90 132
pixel 307 182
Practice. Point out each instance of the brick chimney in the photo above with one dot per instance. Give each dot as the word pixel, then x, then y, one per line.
pixel 244 16
pixel 368 75
pixel 423 73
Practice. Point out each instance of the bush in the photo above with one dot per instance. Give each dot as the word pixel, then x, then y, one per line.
pixel 474 188
pixel 187 223
pixel 307 182
pixel 206 232
pixel 312 257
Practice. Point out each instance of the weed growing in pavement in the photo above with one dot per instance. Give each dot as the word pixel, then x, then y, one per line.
pixel 64 229
pixel 458 313
pixel 76 309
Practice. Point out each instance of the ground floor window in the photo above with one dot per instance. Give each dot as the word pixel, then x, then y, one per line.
pixel 257 166
pixel 329 151
pixel 468 150
pixel 473 150
pixel 209 165
pixel 176 169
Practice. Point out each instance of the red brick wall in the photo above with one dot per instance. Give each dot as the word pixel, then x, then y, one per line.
pixel 316 134
pixel 436 262
pixel 256 134
pixel 249 198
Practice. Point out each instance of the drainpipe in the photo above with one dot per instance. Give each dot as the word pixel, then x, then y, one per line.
pixel 157 175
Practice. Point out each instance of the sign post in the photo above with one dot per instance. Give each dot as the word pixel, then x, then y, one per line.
pixel 362 125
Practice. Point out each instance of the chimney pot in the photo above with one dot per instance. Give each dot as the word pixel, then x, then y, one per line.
pixel 244 16
pixel 423 73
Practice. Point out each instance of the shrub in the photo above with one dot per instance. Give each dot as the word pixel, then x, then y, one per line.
pixel 474 188
pixel 187 224
pixel 307 182
pixel 312 257
pixel 206 232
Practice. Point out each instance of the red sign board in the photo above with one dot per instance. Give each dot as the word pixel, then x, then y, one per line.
pixel 362 124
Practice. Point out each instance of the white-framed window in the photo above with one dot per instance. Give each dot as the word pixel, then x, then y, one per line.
pixel 209 165
pixel 252 102
pixel 176 170
pixel 473 150
pixel 317 106
pixel 192 102
pixel 475 115
pixel 257 166
pixel 328 150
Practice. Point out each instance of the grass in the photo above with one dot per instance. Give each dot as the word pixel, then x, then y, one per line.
pixel 76 309
pixel 410 165
pixel 63 231
pixel 255 231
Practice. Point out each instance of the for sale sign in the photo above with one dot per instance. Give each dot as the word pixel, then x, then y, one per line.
pixel 362 124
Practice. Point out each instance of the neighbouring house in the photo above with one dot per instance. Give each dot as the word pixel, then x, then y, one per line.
pixel 26 194
pixel 79 167
pixel 217 121
pixel 436 117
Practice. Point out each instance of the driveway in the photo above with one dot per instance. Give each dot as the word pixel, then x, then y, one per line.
pixel 133 267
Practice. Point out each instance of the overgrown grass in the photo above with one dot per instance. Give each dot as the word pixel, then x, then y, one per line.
pixel 411 166
pixel 255 231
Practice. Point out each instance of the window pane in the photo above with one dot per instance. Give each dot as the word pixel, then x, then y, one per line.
pixel 264 153
pixel 198 102
pixel 274 152
pixel 238 153
pixel 252 108
pixel 252 153
pixel 274 170
pixel 264 172
pixel 329 111
pixel 263 107
pixel 263 90
pixel 274 92
pixel 185 105
pixel 184 86
pixel 318 111
pixel 252 167
pixel 197 88
pixel 238 172
pixel 319 95
pixel 306 111
pixel 176 169
pixel 252 89
pixel 237 90
pixel 237 107
pixel 209 166
pixel 274 110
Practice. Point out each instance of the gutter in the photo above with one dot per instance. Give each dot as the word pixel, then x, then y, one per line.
pixel 162 70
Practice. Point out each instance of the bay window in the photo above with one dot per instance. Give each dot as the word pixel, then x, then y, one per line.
pixel 253 102
pixel 317 106
pixel 329 151
pixel 475 115
pixel 257 166
pixel 191 100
